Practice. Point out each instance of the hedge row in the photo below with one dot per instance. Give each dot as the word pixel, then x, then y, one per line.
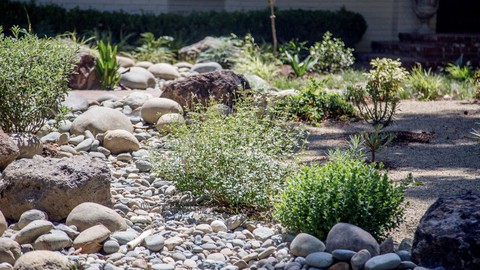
pixel 307 25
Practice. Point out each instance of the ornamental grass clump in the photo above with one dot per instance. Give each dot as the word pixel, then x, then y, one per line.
pixel 344 190
pixel 34 76
pixel 235 160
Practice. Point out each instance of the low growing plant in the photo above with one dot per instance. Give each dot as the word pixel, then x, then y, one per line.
pixel 458 72
pixel 423 84
pixel 332 54
pixel 236 160
pixel 107 65
pixel 301 67
pixel 344 190
pixel 155 50
pixel 34 76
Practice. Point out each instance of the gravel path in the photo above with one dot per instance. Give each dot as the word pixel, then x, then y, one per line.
pixel 448 165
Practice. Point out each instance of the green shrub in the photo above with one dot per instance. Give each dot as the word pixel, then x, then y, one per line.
pixel 302 24
pixel 239 160
pixel 223 52
pixel 424 84
pixel 332 55
pixel 155 50
pixel 459 73
pixel 107 66
pixel 34 74
pixel 314 104
pixel 344 190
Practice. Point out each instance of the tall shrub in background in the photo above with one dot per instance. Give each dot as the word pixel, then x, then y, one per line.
pixel 332 55
pixel 34 75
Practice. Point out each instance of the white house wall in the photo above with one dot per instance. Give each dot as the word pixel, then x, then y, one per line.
pixel 385 18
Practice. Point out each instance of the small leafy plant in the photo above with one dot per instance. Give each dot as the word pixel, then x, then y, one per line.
pixel 344 190
pixel 332 54
pixel 34 76
pixel 235 160
pixel 459 73
pixel 107 66
pixel 155 50
pixel 301 67
pixel 423 84
pixel 375 141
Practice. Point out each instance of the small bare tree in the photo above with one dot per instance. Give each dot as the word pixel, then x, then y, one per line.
pixel 274 30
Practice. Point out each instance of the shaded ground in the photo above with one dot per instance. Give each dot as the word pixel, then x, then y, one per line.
pixel 448 165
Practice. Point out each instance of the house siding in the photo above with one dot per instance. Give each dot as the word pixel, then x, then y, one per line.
pixel 385 18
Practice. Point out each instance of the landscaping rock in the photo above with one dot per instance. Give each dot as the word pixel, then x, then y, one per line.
pixel 344 255
pixel 52 241
pixel 183 65
pixel 138 78
pixel 164 71
pixel 125 62
pixel 29 216
pixel 218 226
pixel 42 260
pixel 28 144
pixel 120 141
pixel 32 231
pixel 136 99
pixel 319 259
pixel 55 186
pixel 123 237
pixel 449 234
pixel 193 50
pixel 165 121
pixel 206 67
pixel 94 234
pixel 154 242
pixel 111 246
pixel 55 137
pixel 263 233
pixel 144 64
pixel 153 108
pixel 387 261
pixel 90 214
pixel 76 102
pixel 85 75
pixel 359 259
pixel 99 120
pixel 3 224
pixel 348 236
pixel 304 244
pixel 221 85
pixel 10 250
pixel 8 150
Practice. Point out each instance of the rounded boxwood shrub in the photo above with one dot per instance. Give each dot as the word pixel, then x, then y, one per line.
pixel 344 190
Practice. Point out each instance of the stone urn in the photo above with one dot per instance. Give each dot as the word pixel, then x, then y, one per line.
pixel 425 10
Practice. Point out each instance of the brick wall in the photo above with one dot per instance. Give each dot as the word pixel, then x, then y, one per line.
pixel 385 18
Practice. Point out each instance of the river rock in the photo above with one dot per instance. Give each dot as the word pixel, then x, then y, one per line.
pixel 304 244
pixel 359 259
pixel 28 144
pixel 319 259
pixel 55 186
pixel 154 242
pixel 90 214
pixel 32 231
pixel 153 108
pixel 136 99
pixel 10 250
pixel 111 246
pixel 8 150
pixel 52 241
pixel 223 86
pixel 218 226
pixel 120 141
pixel 348 236
pixel 144 64
pixel 125 62
pixel 3 223
pixel 263 233
pixel 95 234
pixel 42 260
pixel 99 120
pixel 76 102
pixel 387 261
pixel 166 121
pixel 164 71
pixel 344 255
pixel 123 237
pixel 138 78
pixel 449 234
pixel 206 67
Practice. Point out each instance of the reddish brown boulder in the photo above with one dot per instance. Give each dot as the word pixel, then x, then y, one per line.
pixel 8 150
pixel 222 85
pixel 449 234
pixel 85 75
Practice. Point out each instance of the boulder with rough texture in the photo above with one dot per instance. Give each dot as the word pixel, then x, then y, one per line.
pixel 52 185
pixel 304 244
pixel 164 71
pixel 120 141
pixel 88 214
pixel 10 250
pixel 348 236
pixel 85 75
pixel 99 120
pixel 42 260
pixel 136 99
pixel 137 78
pixel 3 224
pixel 76 102
pixel 8 150
pixel 448 234
pixel 221 85
pixel 125 62
pixel 153 108
pixel 28 144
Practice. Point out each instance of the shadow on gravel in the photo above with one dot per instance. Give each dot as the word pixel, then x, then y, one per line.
pixel 445 186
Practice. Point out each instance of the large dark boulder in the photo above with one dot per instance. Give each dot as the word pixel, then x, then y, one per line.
pixel 55 186
pixel 449 234
pixel 221 85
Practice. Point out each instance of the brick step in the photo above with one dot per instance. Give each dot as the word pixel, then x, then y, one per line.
pixel 467 39
pixel 363 60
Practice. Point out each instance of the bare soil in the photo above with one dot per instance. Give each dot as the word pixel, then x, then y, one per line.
pixel 433 143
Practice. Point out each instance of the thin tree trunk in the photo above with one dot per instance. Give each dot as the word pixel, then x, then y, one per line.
pixel 274 31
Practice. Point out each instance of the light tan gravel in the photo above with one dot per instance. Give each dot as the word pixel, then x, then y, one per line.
pixel 448 165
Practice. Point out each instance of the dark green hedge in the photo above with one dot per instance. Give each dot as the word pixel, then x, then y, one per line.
pixel 307 25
